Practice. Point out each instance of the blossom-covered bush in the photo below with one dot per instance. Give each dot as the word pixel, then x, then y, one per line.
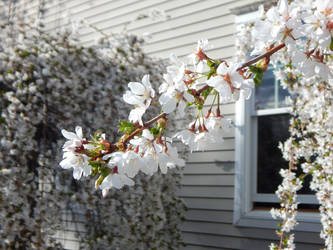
pixel 49 82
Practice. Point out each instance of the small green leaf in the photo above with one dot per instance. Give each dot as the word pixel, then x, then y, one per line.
pixel 199 106
pixel 155 131
pixel 25 53
pixel 258 74
pixel 206 93
pixel 95 164
pixel 126 127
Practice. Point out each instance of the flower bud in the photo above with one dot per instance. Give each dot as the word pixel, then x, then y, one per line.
pixel 162 123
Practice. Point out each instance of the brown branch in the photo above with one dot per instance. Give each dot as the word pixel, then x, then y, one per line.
pixel 267 54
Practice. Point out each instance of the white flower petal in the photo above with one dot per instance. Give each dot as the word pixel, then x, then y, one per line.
pixel 78 131
pixel 69 135
pixel 137 88
pixel 146 133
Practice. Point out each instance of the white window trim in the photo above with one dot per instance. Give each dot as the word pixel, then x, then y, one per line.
pixel 244 215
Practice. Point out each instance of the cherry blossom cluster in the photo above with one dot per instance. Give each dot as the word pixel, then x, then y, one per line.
pixel 144 153
pixel 144 146
pixel 305 31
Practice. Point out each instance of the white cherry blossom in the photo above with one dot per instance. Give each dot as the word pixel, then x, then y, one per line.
pixel 140 95
pixel 198 58
pixel 79 163
pixel 175 98
pixel 74 139
pixel 115 180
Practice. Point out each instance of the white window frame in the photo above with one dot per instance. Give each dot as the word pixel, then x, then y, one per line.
pixel 245 167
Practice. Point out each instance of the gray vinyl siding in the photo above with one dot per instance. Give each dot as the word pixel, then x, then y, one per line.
pixel 207 186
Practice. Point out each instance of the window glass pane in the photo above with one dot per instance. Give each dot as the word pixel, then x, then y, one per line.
pixel 270 94
pixel 265 93
pixel 282 94
pixel 273 129
pixel 314 208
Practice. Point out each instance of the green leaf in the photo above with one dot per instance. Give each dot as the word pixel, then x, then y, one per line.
pixel 211 72
pixel 210 63
pixel 95 164
pixel 199 106
pixel 258 74
pixel 155 131
pixel 331 44
pixel 126 127
pixel 25 53
pixel 206 93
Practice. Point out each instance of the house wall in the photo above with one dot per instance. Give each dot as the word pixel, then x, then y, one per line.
pixel 207 186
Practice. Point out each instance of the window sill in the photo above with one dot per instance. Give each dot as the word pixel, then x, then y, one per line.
pixel 308 221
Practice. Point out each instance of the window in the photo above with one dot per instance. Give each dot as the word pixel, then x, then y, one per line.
pixel 261 123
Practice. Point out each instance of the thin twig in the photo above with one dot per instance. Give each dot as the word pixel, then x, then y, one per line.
pixel 267 54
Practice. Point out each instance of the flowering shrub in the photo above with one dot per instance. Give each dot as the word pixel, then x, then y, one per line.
pixel 302 33
pixel 49 82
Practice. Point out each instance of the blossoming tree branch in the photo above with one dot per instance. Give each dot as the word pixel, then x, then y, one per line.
pixel 299 36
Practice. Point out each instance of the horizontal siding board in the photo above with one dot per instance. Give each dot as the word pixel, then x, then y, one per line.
pixel 86 8
pixel 209 204
pixel 234 242
pixel 208 180
pixel 108 14
pixel 221 52
pixel 180 15
pixel 107 18
pixel 209 168
pixel 206 192
pixel 199 30
pixel 147 24
pixel 212 156
pixel 193 247
pixel 189 13
pixel 223 241
pixel 227 144
pixel 186 18
pixel 258 233
pixel 120 15
pixel 190 40
pixel 209 215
